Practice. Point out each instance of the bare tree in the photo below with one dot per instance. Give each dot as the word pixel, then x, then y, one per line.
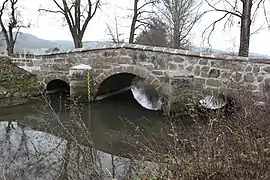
pixel 10 8
pixel 77 15
pixel 246 11
pixel 114 33
pixel 155 33
pixel 138 19
pixel 180 16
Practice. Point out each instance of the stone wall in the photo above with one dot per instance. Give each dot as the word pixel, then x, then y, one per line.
pixel 169 70
pixel 164 67
pixel 15 83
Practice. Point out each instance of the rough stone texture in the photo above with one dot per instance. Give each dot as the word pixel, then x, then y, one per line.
pixel 15 83
pixel 155 64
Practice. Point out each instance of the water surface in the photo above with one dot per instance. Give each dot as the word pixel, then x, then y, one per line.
pixel 61 138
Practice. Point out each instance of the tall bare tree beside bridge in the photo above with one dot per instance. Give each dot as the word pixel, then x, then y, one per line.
pixel 180 16
pixel 11 29
pixel 138 18
pixel 246 11
pixel 155 33
pixel 77 14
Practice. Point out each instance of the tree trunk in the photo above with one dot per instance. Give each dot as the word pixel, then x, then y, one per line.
pixel 245 29
pixel 77 39
pixel 77 42
pixel 176 38
pixel 134 20
pixel 10 49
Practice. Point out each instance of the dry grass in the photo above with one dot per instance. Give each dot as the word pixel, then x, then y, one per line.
pixel 219 148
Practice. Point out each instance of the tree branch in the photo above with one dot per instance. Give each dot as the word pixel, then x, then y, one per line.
pixel 224 10
pixel 50 11
pixel 213 28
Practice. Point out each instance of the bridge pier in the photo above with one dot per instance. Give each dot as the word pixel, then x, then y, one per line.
pixel 81 83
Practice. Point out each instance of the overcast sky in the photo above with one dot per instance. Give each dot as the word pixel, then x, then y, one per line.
pixel 50 26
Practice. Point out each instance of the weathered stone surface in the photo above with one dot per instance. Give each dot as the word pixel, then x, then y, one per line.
pixel 178 59
pixel 172 66
pixel 204 74
pixel 260 78
pixel 197 70
pixel 248 68
pixel 159 73
pixel 189 68
pixel 267 85
pixel 199 82
pixel 214 73
pixel 203 61
pixel 213 82
pixel 256 69
pixel 225 75
pixel 237 76
pixel 267 69
pixel 249 78
pixel 205 68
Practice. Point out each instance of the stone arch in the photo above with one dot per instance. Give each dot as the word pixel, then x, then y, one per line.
pixel 50 78
pixel 131 69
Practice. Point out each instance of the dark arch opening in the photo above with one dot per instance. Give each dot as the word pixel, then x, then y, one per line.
pixel 57 86
pixel 127 87
pixel 114 84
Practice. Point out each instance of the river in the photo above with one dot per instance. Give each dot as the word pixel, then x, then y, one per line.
pixel 56 138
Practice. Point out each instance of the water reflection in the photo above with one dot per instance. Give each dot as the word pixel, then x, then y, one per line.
pixel 37 143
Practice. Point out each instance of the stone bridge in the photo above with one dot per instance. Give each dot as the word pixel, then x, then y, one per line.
pixel 168 70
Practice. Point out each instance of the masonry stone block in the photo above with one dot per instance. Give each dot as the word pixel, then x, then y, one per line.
pixel 178 59
pixel 213 82
pixel 267 85
pixel 172 66
pixel 204 74
pixel 237 76
pixel 225 75
pixel 248 68
pixel 158 73
pixel 249 78
pixel 205 68
pixel 189 68
pixel 256 69
pixel 214 73
pixel 199 82
pixel 123 52
pixel 142 56
pixel 260 78
pixel 197 70
pixel 203 61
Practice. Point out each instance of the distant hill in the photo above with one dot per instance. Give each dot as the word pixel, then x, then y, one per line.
pixel 218 51
pixel 32 44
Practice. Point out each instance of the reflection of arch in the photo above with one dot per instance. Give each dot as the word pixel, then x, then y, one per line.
pixel 130 72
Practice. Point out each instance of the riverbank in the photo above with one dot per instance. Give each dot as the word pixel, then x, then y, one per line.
pixel 17 86
pixel 216 148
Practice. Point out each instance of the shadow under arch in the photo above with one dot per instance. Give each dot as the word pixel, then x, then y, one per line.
pixel 57 85
pixel 146 89
pixel 127 75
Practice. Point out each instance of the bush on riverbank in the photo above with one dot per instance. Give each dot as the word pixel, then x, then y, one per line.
pixel 221 149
